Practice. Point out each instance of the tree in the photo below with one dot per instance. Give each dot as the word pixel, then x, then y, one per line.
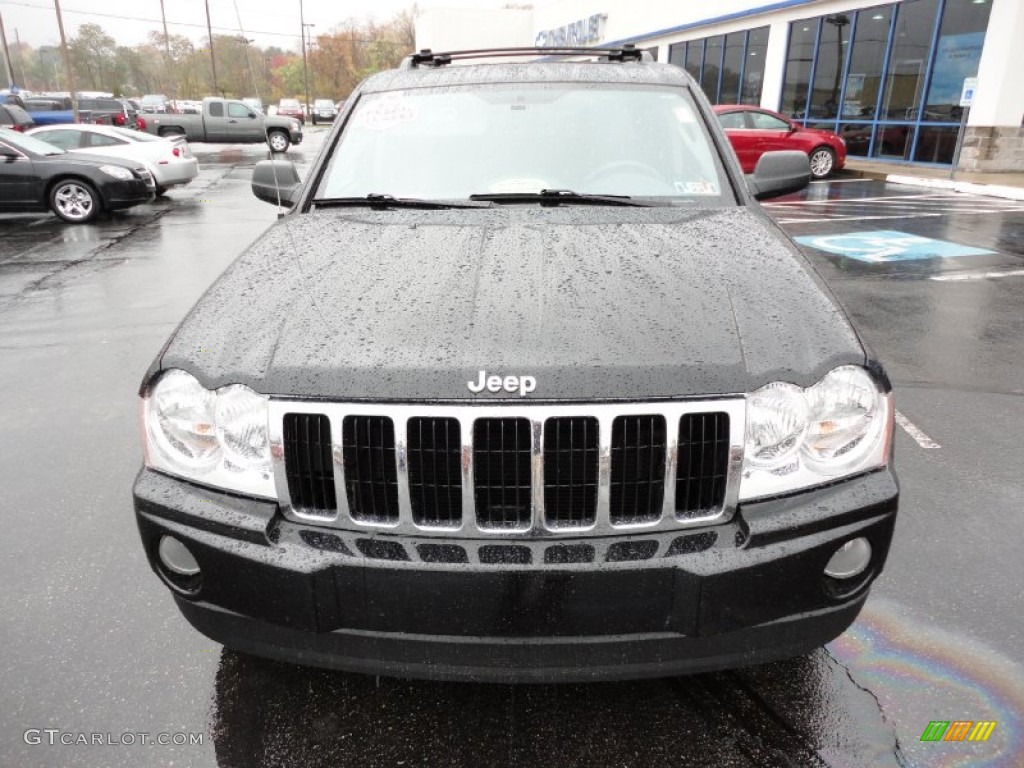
pixel 93 55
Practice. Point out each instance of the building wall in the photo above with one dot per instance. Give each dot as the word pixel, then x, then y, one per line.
pixel 994 140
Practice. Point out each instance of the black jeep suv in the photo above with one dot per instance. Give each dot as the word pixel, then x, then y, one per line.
pixel 525 387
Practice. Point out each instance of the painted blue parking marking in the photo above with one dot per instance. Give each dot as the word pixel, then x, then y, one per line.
pixel 884 245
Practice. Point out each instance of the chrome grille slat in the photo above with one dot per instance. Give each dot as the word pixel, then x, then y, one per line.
pixel 535 524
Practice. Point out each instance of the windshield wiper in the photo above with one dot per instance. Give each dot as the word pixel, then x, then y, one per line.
pixel 563 197
pixel 390 201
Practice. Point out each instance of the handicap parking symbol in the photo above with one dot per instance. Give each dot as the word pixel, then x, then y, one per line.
pixel 885 245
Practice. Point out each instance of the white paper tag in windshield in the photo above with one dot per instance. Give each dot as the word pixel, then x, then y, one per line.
pixel 385 113
pixel 696 187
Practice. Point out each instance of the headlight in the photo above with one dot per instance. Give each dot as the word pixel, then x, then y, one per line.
pixel 776 423
pixel 117 172
pixel 296 126
pixel 844 423
pixel 798 438
pixel 215 438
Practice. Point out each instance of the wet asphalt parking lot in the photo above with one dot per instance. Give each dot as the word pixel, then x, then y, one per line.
pixel 92 643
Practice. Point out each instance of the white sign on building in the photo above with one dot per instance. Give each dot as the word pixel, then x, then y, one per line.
pixel 580 33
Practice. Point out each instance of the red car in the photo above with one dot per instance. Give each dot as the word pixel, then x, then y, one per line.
pixel 754 131
pixel 291 108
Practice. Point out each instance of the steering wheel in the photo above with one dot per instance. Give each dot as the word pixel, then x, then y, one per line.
pixel 624 166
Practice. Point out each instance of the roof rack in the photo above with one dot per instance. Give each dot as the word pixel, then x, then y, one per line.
pixel 426 57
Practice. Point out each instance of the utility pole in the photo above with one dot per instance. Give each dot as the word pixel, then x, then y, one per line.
pixel 213 60
pixel 305 69
pixel 67 60
pixel 167 53
pixel 7 54
pixel 21 57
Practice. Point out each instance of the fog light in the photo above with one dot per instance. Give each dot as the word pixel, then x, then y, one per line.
pixel 850 559
pixel 176 558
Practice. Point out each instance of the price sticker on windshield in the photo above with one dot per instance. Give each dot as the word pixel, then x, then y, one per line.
pixel 385 113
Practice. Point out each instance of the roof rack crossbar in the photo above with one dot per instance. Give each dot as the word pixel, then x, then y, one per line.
pixel 427 57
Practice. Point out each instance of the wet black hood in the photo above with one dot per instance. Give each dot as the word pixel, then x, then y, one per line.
pixel 610 303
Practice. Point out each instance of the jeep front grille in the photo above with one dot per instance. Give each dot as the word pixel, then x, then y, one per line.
pixel 638 468
pixel 308 464
pixel 371 481
pixel 508 469
pixel 435 474
pixel 502 477
pixel 570 471
pixel 703 458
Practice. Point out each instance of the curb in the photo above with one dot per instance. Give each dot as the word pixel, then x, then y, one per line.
pixel 966 187
pixel 1004 191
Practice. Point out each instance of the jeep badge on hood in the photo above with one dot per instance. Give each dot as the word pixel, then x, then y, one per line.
pixel 523 384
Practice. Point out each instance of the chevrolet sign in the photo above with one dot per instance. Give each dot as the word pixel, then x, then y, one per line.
pixel 579 33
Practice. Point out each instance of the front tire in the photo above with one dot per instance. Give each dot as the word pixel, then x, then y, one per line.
pixel 75 201
pixel 823 162
pixel 278 141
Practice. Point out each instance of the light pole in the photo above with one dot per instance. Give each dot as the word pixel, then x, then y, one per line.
pixel 169 74
pixel 305 68
pixel 213 59
pixel 307 46
pixel 68 72
pixel 245 41
pixel 7 55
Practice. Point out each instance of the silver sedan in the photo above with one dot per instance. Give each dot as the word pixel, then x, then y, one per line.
pixel 169 159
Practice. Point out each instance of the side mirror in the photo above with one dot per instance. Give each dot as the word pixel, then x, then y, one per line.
pixel 275 181
pixel 8 154
pixel 252 115
pixel 779 173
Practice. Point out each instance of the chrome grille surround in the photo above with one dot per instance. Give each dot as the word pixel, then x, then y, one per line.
pixel 537 414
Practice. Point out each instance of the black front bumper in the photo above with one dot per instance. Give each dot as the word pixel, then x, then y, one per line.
pixel 744 592
pixel 118 194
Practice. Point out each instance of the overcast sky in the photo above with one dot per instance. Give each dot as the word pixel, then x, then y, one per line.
pixel 269 22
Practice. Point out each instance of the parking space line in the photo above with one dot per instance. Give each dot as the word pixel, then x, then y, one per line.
pixel 990 275
pixel 931 196
pixel 915 432
pixel 859 218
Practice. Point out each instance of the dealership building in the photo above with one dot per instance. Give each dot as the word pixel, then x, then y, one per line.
pixel 889 78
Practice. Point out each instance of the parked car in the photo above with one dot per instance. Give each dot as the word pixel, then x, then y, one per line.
pixel 540 393
pixel 155 102
pixel 229 121
pixel 13 116
pixel 109 111
pixel 752 131
pixel 169 159
pixel 256 105
pixel 53 110
pixel 291 108
pixel 323 110
pixel 36 176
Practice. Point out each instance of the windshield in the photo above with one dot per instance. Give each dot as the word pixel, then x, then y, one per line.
pixel 453 142
pixel 29 143
pixel 289 104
